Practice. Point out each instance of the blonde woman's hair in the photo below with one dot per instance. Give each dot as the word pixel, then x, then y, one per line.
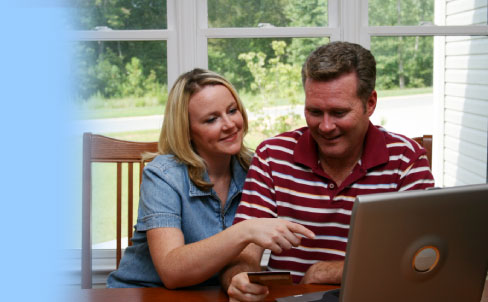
pixel 175 136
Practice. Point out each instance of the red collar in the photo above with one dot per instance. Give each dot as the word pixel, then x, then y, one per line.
pixel 374 153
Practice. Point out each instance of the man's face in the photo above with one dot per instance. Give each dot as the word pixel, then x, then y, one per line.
pixel 337 118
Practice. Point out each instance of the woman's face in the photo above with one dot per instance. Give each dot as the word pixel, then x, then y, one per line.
pixel 216 124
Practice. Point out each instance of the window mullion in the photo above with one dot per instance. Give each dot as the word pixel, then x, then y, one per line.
pixel 201 37
pixel 186 33
pixel 350 20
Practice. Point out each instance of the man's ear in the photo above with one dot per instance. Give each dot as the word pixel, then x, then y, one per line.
pixel 371 103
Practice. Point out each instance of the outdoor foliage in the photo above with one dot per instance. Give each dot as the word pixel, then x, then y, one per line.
pixel 402 61
pixel 268 89
pixel 120 69
pixel 128 69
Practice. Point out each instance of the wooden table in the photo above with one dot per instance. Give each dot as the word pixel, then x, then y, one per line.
pixel 203 294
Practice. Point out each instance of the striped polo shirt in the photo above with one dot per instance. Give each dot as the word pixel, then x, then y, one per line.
pixel 286 181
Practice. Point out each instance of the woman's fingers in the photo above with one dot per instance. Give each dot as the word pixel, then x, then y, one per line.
pixel 300 229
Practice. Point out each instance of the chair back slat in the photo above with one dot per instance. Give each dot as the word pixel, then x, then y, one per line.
pixel 426 142
pixel 99 148
pixel 130 210
pixel 119 213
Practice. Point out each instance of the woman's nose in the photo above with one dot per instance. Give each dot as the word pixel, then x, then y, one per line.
pixel 228 122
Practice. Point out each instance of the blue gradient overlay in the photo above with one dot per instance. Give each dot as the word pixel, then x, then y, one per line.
pixel 34 198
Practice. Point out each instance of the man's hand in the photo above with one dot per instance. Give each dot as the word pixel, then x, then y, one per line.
pixel 241 289
pixel 324 272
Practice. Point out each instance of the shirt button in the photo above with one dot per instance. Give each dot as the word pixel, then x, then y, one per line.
pixel 331 186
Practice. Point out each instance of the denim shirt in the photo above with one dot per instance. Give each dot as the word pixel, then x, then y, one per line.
pixel 170 199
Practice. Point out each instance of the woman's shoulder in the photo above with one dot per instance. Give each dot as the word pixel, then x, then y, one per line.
pixel 166 163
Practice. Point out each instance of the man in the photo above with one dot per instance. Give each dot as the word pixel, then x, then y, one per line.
pixel 313 174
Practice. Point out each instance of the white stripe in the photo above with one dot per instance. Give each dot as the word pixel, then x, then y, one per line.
pixel 263 198
pixel 420 181
pixel 244 216
pixel 385 172
pixel 262 185
pixel 345 198
pixel 322 250
pixel 397 144
pixel 263 161
pixel 293 259
pixel 415 170
pixel 400 157
pixel 313 210
pixel 279 148
pixel 374 186
pixel 300 180
pixel 284 138
pixel 316 224
pixel 407 143
pixel 331 238
pixel 301 194
pixel 261 172
pixel 288 164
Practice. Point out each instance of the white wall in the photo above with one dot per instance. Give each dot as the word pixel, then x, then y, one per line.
pixel 463 109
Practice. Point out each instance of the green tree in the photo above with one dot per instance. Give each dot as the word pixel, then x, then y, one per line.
pixel 402 61
pixel 274 80
pixel 107 57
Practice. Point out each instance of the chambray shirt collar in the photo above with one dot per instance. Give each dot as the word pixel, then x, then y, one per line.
pixel 374 153
pixel 237 182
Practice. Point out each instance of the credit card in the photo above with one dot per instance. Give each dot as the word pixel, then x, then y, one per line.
pixel 270 278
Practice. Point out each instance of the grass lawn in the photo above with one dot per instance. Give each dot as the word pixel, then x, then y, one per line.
pixel 131 107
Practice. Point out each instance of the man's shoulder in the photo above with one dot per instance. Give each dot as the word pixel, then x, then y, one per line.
pixel 399 143
pixel 284 139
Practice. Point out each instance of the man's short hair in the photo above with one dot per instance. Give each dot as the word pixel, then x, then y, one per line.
pixel 330 61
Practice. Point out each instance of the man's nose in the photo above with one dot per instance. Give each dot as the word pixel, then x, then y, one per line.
pixel 327 124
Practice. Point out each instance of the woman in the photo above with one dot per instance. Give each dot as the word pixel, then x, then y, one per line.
pixel 190 191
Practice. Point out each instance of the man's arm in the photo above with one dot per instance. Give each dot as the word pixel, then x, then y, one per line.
pixel 324 272
pixel 247 261
pixel 234 280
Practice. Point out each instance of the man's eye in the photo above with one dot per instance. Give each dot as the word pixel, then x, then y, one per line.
pixel 339 113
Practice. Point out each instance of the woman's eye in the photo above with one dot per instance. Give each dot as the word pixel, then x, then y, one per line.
pixel 210 120
pixel 233 110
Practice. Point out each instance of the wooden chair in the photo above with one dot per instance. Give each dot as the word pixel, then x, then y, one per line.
pixel 426 142
pixel 98 148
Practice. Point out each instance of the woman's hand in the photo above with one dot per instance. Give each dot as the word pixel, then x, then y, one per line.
pixel 275 234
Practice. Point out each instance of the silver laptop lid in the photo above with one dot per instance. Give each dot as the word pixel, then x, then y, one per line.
pixel 418 246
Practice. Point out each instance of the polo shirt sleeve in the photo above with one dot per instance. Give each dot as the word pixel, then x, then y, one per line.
pixel 258 195
pixel 160 203
pixel 416 174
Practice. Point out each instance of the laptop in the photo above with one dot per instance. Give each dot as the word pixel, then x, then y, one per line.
pixel 417 246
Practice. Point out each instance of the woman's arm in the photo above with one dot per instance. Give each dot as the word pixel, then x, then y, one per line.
pixel 180 265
